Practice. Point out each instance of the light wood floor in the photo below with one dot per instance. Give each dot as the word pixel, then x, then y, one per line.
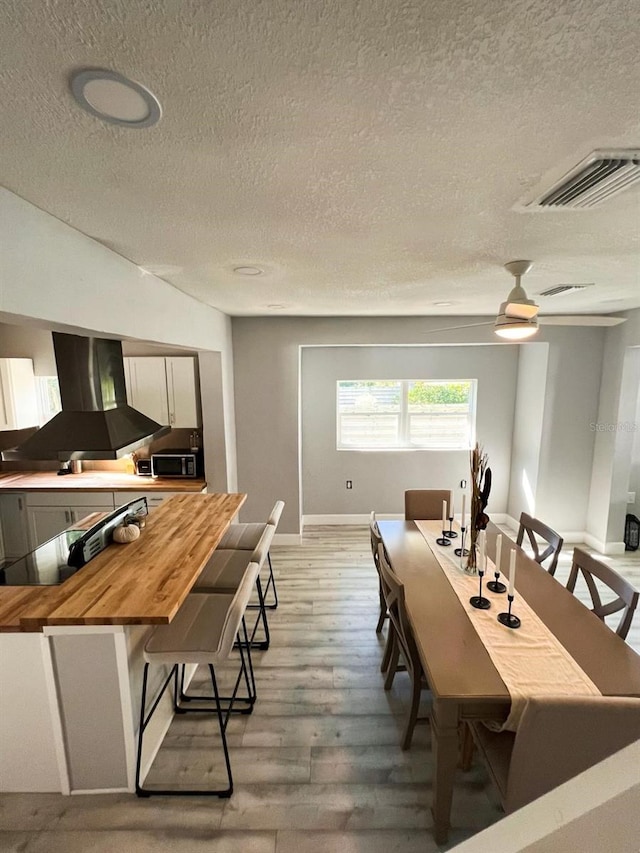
pixel 317 766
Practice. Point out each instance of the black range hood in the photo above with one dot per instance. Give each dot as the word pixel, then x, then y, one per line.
pixel 96 421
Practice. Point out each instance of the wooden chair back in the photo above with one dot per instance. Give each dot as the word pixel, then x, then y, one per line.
pixel 393 591
pixel 425 504
pixel 534 527
pixel 376 539
pixel 627 601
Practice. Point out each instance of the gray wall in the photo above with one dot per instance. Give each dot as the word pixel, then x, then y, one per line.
pixel 527 428
pixel 267 378
pixel 634 473
pixel 380 478
pixel 571 405
pixel 29 342
pixel 607 498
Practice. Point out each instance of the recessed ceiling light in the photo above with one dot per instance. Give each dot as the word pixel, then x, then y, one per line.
pixel 276 306
pixel 442 304
pixel 114 98
pixel 248 270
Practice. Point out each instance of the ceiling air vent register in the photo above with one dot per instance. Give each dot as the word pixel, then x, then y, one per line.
pixel 564 288
pixel 595 179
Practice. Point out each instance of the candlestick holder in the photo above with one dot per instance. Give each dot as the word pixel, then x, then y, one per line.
pixel 479 601
pixel 443 539
pixel 451 533
pixel 508 618
pixel 496 585
pixel 461 551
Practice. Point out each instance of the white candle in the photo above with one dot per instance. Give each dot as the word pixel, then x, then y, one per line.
pixel 498 551
pixel 464 502
pixel 512 572
pixel 451 512
pixel 444 515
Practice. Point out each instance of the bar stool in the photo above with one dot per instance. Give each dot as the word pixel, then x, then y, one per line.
pixel 245 537
pixel 203 632
pixel 224 572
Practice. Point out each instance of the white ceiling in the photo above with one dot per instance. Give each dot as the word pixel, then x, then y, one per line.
pixel 366 153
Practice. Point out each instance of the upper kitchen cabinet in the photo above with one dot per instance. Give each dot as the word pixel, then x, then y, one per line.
pixel 164 388
pixel 18 396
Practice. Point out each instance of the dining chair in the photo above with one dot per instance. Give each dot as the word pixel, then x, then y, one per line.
pixel 534 527
pixel 628 595
pixel 402 643
pixel 557 738
pixel 425 504
pixel 376 541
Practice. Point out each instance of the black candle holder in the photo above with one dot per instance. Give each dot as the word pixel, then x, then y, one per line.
pixel 443 539
pixel 496 585
pixel 479 601
pixel 461 551
pixel 509 619
pixel 451 533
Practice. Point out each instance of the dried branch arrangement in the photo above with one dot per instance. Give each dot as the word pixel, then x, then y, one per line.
pixel 480 490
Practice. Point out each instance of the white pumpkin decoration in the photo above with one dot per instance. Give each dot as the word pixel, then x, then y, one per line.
pixel 124 533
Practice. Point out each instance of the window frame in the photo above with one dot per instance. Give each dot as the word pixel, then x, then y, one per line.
pixel 404 418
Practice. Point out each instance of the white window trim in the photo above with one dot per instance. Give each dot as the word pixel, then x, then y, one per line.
pixel 404 419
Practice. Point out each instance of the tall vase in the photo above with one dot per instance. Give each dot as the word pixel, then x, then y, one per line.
pixel 471 565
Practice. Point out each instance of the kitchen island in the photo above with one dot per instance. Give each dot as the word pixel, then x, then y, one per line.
pixel 71 654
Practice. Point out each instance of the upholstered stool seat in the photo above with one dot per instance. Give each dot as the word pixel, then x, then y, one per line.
pixel 245 536
pixel 203 632
pixel 225 570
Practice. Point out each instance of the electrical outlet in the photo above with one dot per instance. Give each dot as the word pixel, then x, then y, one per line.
pixel 463 484
pixel 349 484
pixel 631 497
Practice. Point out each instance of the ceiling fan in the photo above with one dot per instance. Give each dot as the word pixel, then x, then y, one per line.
pixel 518 315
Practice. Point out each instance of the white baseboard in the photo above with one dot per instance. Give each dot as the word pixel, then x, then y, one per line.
pixel 607 548
pixel 361 518
pixel 579 537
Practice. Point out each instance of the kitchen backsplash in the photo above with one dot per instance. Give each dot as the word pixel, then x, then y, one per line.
pixel 178 438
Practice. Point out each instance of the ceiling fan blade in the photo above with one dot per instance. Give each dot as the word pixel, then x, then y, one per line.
pixel 581 320
pixel 521 310
pixel 465 326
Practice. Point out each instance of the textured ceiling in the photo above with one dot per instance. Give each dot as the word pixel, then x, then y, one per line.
pixel 366 153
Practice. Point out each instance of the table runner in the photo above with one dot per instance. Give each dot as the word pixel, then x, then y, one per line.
pixel 530 660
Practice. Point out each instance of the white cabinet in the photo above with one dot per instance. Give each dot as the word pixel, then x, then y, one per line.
pixel 18 396
pixel 163 388
pixel 181 392
pixel 49 513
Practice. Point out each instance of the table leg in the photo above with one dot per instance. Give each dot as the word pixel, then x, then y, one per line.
pixel 445 746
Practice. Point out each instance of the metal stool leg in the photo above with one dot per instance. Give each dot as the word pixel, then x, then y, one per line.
pixel 271 583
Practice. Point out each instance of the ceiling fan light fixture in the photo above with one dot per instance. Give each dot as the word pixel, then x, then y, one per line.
pixel 515 330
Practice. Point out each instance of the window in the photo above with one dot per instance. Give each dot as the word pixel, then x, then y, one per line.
pixel 406 414
pixel 48 398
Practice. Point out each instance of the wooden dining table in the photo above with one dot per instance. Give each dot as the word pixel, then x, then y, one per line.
pixel 464 682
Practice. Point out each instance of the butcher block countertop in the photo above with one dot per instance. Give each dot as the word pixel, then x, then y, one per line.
pixel 141 583
pixel 94 481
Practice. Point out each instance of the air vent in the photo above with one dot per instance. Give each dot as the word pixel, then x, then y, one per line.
pixel 563 288
pixel 601 175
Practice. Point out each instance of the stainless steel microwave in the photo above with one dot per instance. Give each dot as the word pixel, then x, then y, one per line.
pixel 174 463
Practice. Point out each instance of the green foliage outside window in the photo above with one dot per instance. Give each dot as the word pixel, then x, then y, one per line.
pixel 430 393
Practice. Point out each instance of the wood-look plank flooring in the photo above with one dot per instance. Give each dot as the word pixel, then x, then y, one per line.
pixel 317 767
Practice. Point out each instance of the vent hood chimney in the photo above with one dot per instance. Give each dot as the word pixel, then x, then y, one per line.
pixel 95 422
